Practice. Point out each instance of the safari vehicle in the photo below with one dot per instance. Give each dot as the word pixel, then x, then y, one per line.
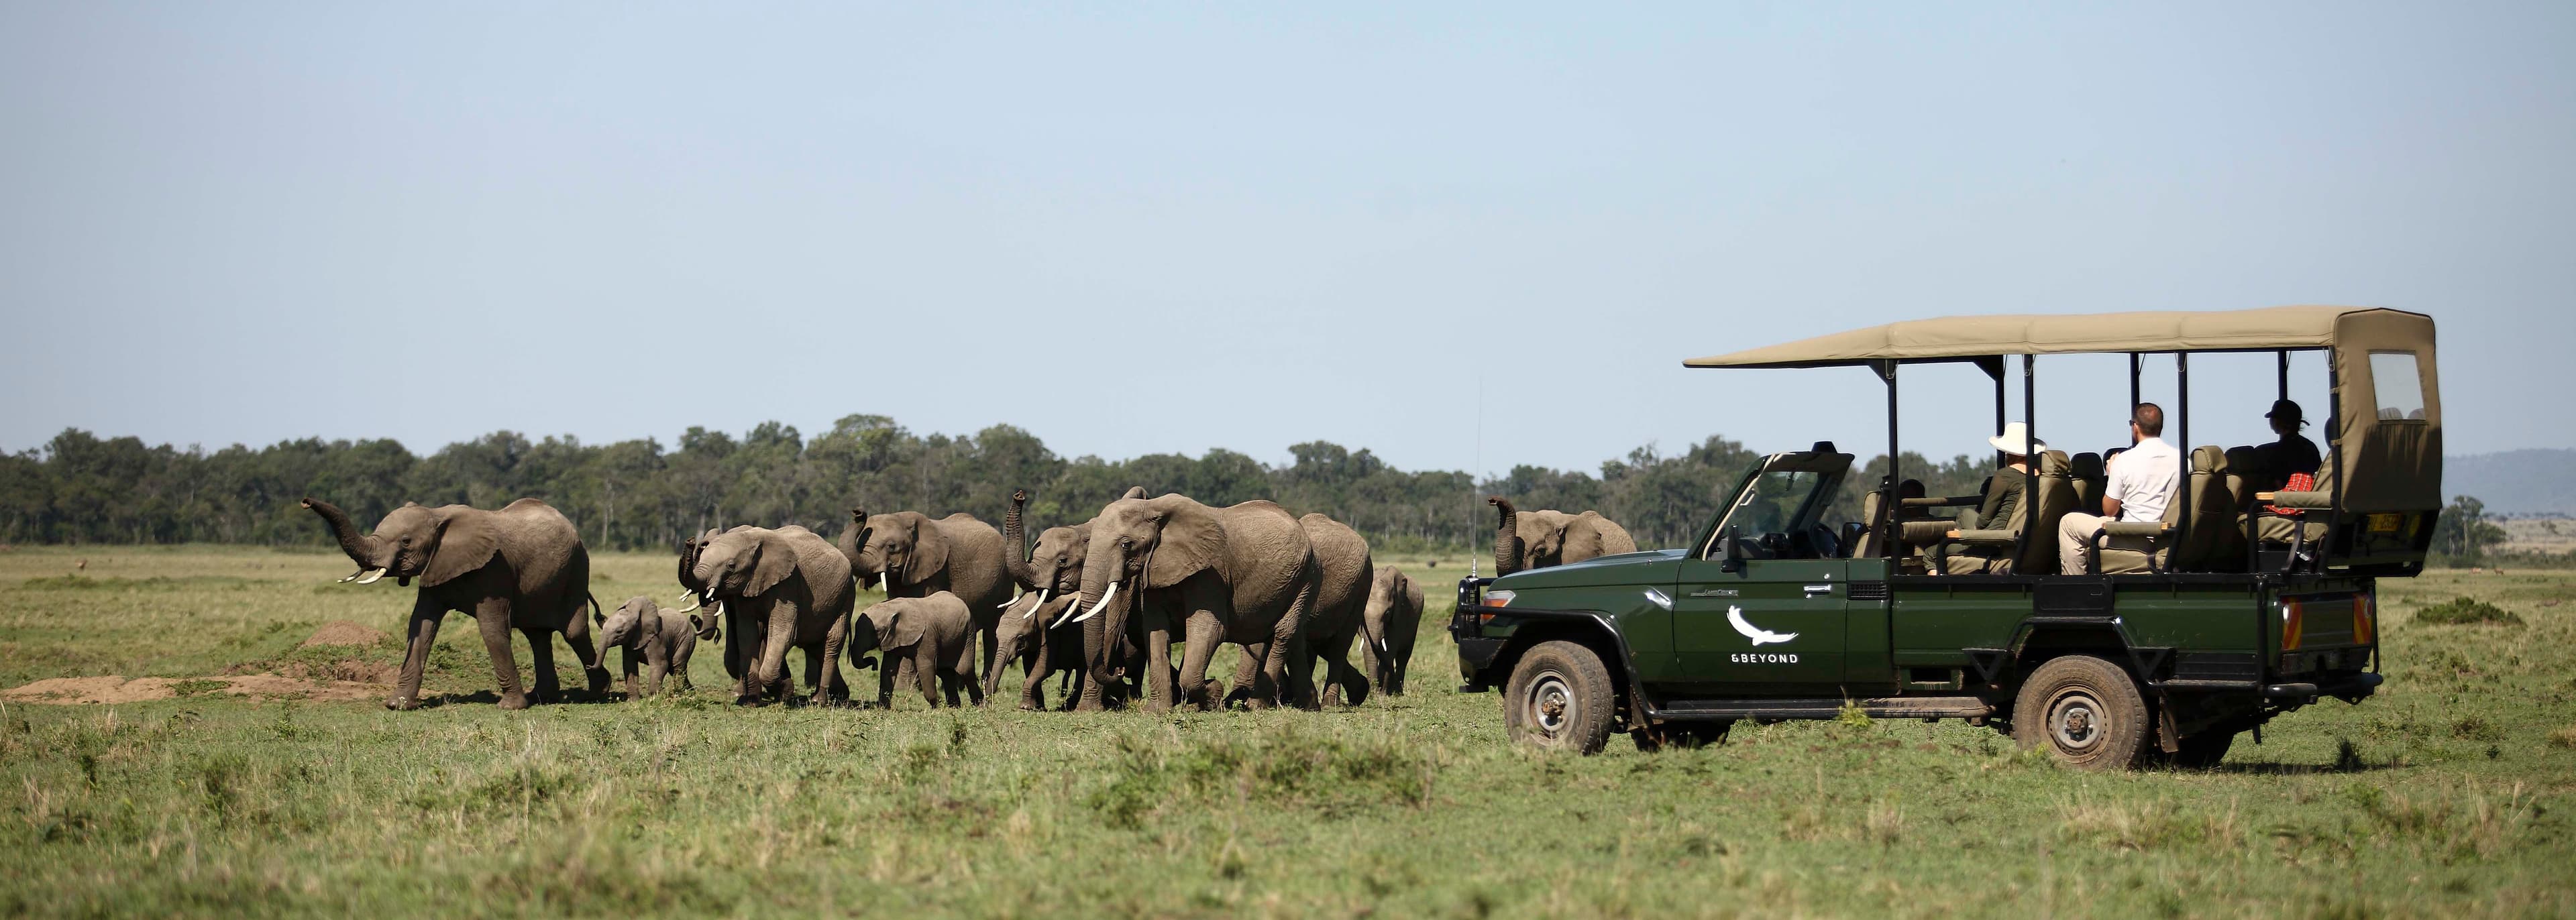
pixel 2233 614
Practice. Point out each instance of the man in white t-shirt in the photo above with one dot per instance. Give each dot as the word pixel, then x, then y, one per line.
pixel 2140 481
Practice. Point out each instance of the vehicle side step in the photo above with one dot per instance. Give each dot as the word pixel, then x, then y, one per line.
pixel 1892 707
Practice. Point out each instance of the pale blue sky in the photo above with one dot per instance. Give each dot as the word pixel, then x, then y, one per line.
pixel 1332 221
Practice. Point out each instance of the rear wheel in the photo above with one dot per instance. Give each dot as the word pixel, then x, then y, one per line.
pixel 1559 698
pixel 2084 710
pixel 1683 735
pixel 2201 751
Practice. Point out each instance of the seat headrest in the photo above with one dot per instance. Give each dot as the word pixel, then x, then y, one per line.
pixel 1911 488
pixel 2053 463
pixel 2208 459
pixel 2086 465
pixel 2243 459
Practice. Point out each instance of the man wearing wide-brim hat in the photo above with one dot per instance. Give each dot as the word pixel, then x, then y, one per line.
pixel 2005 491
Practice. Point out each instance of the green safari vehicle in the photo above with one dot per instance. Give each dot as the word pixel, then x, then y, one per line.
pixel 2242 603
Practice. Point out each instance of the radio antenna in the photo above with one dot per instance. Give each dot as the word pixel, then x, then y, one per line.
pixel 1472 562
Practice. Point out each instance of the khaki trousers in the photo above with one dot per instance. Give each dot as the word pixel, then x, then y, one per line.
pixel 2075 533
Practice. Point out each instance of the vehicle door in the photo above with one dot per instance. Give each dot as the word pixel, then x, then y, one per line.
pixel 1758 607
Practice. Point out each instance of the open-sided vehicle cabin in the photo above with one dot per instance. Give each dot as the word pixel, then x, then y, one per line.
pixel 2163 640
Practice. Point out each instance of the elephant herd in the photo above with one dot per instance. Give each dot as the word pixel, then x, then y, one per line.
pixel 1097 604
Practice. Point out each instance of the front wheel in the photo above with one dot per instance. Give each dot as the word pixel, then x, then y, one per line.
pixel 2085 711
pixel 1559 698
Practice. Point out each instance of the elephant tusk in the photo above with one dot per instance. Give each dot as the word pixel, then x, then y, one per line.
pixel 881 581
pixel 1033 608
pixel 1104 602
pixel 693 604
pixel 353 576
pixel 369 576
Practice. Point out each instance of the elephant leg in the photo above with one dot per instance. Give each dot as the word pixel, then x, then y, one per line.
pixel 541 656
pixel 1284 636
pixel 1033 693
pixel 629 661
pixel 1200 645
pixel 1353 685
pixel 964 676
pixel 925 671
pixel 680 666
pixel 740 638
pixel 1097 647
pixel 1159 692
pixel 814 675
pixel 423 633
pixel 834 689
pixel 492 619
pixel 594 660
pixel 885 678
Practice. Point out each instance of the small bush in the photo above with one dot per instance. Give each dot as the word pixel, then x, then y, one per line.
pixel 2564 738
pixel 2467 611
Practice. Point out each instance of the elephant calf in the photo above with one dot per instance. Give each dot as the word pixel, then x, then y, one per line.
pixel 936 634
pixel 660 640
pixel 1393 615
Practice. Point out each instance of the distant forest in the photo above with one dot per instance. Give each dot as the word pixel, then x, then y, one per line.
pixel 639 494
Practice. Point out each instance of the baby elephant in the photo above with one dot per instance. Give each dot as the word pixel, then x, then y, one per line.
pixel 658 639
pixel 932 633
pixel 1394 611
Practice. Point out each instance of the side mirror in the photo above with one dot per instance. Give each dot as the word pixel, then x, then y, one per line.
pixel 1730 552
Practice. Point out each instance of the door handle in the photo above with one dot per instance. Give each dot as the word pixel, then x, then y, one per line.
pixel 1815 590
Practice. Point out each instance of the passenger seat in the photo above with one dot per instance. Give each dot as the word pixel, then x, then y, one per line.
pixel 2090 479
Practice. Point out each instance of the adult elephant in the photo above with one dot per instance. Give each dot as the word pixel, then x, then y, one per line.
pixel 789 588
pixel 909 554
pixel 1343 572
pixel 1539 539
pixel 1242 574
pixel 522 567
pixel 1043 637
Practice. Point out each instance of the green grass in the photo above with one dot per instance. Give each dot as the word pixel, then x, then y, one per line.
pixel 2467 610
pixel 2449 795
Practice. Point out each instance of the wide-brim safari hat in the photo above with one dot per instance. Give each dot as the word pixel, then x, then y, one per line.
pixel 2014 440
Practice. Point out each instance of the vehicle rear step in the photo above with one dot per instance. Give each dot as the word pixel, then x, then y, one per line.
pixel 1892 707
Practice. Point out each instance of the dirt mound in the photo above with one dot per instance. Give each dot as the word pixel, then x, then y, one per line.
pixel 343 632
pixel 116 689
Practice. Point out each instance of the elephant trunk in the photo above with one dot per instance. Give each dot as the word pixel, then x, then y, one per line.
pixel 1507 537
pixel 1015 540
pixel 852 542
pixel 364 549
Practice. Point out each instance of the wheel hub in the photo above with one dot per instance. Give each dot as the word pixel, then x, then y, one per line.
pixel 2075 721
pixel 1549 701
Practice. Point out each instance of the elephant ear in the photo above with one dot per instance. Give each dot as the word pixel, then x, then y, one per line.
pixel 771 564
pixel 929 548
pixel 1132 492
pixel 1192 540
pixel 900 628
pixel 466 541
pixel 1583 537
pixel 648 621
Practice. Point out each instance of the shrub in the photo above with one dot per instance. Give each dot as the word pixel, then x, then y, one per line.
pixel 2465 611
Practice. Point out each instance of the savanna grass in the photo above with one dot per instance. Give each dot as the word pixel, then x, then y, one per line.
pixel 2448 795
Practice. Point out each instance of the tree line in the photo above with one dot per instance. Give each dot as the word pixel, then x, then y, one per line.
pixel 638 494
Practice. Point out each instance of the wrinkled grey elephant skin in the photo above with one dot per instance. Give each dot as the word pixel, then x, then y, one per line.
pixel 522 567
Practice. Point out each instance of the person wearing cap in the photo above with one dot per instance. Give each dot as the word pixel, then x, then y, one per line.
pixel 2005 491
pixel 2293 453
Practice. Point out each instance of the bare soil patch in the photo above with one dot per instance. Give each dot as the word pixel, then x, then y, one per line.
pixel 116 689
pixel 343 632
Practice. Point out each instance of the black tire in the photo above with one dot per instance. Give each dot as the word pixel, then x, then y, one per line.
pixel 2085 711
pixel 1560 698
pixel 1683 735
pixel 2198 752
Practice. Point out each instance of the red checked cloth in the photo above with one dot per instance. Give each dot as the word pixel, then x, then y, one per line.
pixel 2299 482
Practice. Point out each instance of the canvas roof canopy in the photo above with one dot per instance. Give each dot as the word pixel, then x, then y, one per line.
pixel 2390 432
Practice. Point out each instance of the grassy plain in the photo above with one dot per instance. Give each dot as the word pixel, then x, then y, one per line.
pixel 2451 794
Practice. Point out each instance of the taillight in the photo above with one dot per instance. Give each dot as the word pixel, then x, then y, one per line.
pixel 2293 621
pixel 2365 611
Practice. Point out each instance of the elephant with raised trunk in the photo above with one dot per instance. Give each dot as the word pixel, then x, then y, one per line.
pixel 909 554
pixel 1036 629
pixel 522 567
pixel 1242 574
pixel 789 588
pixel 1389 621
pixel 1540 539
